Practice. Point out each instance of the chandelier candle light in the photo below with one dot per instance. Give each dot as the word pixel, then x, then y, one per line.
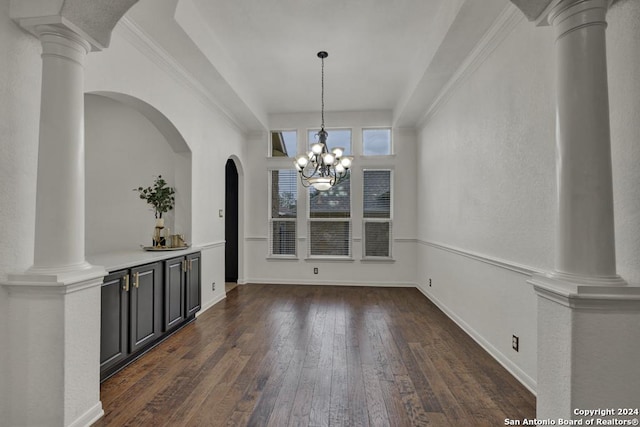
pixel 322 168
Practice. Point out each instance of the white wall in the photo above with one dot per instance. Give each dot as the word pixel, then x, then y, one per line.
pixel 130 67
pixel 623 51
pixel 486 185
pixel 402 162
pixel 124 150
pixel 20 75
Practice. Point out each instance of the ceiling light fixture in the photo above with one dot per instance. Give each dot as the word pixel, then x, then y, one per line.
pixel 322 168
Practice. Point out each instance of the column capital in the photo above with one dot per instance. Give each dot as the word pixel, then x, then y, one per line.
pixel 61 41
pixel 92 21
pixel 541 11
pixel 569 15
pixel 58 25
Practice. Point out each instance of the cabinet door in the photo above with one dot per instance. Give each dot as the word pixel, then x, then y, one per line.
pixel 114 318
pixel 174 272
pixel 193 283
pixel 145 305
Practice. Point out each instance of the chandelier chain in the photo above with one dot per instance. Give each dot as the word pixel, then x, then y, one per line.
pixel 322 93
pixel 323 168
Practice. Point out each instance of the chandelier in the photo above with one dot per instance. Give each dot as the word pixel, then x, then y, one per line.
pixel 322 168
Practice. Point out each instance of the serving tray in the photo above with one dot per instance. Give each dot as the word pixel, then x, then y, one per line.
pixel 163 248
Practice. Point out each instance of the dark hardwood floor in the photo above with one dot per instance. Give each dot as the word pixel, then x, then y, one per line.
pixel 272 355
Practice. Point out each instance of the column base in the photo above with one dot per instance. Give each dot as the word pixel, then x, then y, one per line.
pixel 588 342
pixel 54 347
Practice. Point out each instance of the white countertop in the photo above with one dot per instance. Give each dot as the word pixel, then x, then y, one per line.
pixel 119 260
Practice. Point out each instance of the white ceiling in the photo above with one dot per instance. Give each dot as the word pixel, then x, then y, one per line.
pixel 258 57
pixel 372 46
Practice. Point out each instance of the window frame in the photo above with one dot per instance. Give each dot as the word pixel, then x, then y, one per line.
pixel 348 220
pixel 271 221
pixel 389 220
pixel 391 148
pixel 270 145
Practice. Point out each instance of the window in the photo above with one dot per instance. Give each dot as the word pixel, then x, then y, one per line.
pixel 284 198
pixel 330 221
pixel 283 143
pixel 376 142
pixel 335 138
pixel 377 213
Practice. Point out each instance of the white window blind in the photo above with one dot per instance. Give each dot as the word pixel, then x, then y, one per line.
pixel 330 221
pixel 284 198
pixel 377 213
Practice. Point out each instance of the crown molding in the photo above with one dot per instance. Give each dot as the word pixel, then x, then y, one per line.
pixel 133 33
pixel 502 26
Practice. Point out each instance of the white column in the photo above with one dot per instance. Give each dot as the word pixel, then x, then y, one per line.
pixel 587 315
pixel 585 235
pixel 54 307
pixel 59 234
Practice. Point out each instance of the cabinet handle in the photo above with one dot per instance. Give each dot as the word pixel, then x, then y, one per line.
pixel 184 265
pixel 125 285
pixel 136 279
pixel 190 264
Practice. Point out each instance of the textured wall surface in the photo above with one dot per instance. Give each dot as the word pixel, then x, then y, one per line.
pixel 139 73
pixel 118 139
pixel 486 185
pixel 486 176
pixel 19 115
pixel 623 52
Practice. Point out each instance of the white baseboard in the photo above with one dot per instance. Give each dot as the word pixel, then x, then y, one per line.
pixel 518 373
pixel 211 303
pixel 330 283
pixel 91 416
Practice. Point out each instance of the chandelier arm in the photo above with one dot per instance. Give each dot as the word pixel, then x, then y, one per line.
pixel 305 176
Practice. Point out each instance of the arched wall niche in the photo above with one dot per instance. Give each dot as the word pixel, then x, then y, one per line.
pixel 128 142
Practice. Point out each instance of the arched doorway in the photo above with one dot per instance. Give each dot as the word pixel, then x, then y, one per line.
pixel 231 223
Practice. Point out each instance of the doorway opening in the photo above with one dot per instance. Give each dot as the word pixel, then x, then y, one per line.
pixel 231 225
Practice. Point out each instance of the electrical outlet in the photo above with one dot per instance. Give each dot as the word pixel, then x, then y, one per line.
pixel 213 286
pixel 515 343
pixel 429 282
pixel 315 270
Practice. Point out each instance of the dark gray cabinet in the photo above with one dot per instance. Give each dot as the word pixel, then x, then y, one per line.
pixel 131 314
pixel 174 293
pixel 182 289
pixel 142 305
pixel 145 304
pixel 114 318
pixel 193 284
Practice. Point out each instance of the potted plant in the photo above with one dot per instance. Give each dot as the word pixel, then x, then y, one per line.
pixel 160 196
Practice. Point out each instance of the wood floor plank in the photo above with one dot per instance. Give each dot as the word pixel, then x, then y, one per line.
pixel 283 355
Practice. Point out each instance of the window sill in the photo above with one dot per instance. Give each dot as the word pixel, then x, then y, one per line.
pixel 282 258
pixel 378 260
pixel 329 259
